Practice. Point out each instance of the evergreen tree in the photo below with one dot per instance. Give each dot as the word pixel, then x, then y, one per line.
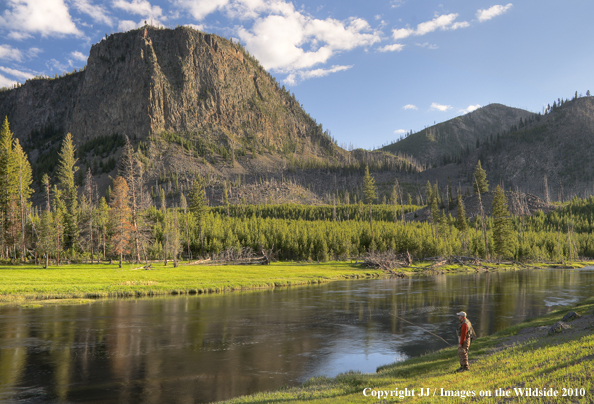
pixel 481 179
pixel 120 208
pixel 25 179
pixel 198 207
pixel 65 174
pixel 8 186
pixel 369 187
pixel 503 245
pixel 102 220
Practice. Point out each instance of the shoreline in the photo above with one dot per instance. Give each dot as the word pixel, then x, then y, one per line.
pixel 77 283
pixel 512 365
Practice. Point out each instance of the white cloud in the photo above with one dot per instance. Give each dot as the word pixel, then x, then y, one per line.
pixel 443 22
pixel 127 25
pixel 396 3
pixel 79 56
pixel 47 17
pixel 439 107
pixel 278 40
pixel 470 108
pixel 301 75
pixel 198 27
pixel 396 47
pixel 492 12
pixel 399 132
pixel 9 53
pixel 97 12
pixel 142 8
pixel 33 52
pixel 427 45
pixel 201 8
pixel 16 73
pixel 285 39
pixel 19 36
pixel 410 106
pixel 4 82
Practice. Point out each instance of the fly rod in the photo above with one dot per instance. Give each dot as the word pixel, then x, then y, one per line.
pixel 400 318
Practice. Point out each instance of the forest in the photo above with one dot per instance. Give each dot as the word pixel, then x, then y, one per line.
pixel 74 225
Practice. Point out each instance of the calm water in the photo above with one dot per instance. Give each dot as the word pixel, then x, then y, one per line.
pixel 208 348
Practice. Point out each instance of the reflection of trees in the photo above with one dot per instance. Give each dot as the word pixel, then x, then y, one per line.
pixel 12 354
pixel 214 347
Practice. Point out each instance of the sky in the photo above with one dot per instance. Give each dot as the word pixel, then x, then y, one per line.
pixel 369 72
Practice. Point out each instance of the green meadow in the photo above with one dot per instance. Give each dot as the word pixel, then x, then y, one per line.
pixel 562 362
pixel 25 283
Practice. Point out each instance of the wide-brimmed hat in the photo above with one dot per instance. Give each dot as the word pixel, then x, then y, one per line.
pixel 462 313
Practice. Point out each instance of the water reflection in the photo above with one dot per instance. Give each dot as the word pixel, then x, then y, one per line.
pixel 207 348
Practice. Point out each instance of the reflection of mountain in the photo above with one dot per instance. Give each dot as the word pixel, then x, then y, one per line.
pixel 207 348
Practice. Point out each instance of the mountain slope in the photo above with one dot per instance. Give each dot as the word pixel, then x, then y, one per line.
pixel 150 81
pixel 448 138
pixel 558 145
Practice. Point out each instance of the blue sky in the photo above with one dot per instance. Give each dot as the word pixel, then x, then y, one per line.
pixel 368 71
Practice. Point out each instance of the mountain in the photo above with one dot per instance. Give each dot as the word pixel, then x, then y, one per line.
pixel 447 139
pixel 558 145
pixel 154 82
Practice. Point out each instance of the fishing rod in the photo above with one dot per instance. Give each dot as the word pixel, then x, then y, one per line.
pixel 400 318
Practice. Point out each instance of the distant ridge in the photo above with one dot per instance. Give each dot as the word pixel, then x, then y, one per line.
pixel 448 138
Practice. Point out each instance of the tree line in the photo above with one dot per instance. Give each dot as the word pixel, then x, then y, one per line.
pixel 76 224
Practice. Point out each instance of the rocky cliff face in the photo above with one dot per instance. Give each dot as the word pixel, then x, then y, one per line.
pixel 149 81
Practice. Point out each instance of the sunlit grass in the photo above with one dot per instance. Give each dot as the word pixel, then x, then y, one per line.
pixel 24 283
pixel 556 362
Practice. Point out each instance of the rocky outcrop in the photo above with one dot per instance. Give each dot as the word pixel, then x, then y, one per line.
pixel 149 81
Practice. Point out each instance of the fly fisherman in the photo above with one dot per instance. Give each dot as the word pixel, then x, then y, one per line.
pixel 466 336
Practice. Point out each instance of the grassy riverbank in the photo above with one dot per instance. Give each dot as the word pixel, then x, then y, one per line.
pixel 520 357
pixel 23 284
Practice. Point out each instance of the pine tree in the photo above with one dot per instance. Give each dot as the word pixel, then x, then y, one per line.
pixel 481 183
pixel 198 207
pixel 461 223
pixel 120 209
pixel 65 173
pixel 130 171
pixel 369 187
pixel 102 220
pixel 8 185
pixel 503 245
pixel 25 179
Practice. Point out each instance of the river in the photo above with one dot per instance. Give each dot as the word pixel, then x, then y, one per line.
pixel 214 347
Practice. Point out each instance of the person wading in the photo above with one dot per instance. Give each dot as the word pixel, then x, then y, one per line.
pixel 467 334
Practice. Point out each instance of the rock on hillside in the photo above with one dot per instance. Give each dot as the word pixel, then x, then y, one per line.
pixel 149 82
pixel 448 138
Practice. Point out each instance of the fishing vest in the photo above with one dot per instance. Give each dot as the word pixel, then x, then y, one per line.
pixel 470 333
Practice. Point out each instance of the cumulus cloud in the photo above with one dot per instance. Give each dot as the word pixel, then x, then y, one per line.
pixel 470 108
pixel 47 17
pixel 79 56
pixel 293 78
pixel 439 107
pixel 399 132
pixel 278 40
pixel 142 8
pixel 16 73
pixel 396 47
pixel 285 39
pixel 201 8
pixel 127 25
pixel 492 12
pixel 7 52
pixel 97 12
pixel 5 82
pixel 443 22
pixel 410 106
pixel 18 36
